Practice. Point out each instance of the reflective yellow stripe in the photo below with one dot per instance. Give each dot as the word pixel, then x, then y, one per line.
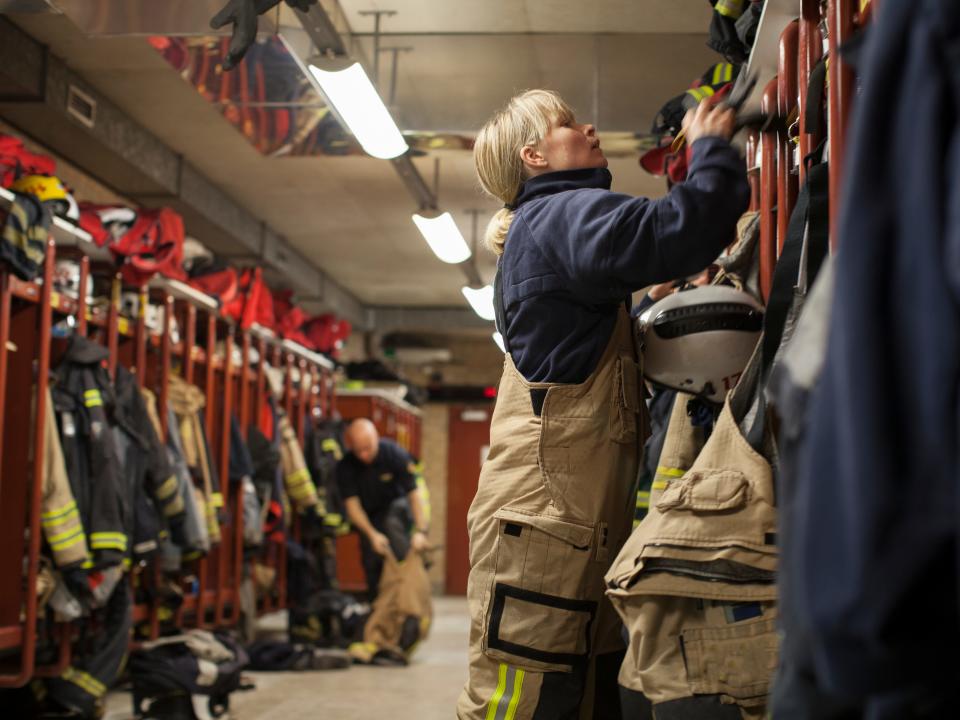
pixel 643 500
pixel 87 564
pixel 514 701
pixel 216 499
pixel 717 74
pixel 92 398
pixel 301 493
pixel 50 515
pixel 108 541
pixel 672 472
pixel 727 72
pixel 301 474
pixel 167 488
pixel 333 447
pixel 84 681
pixel 333 519
pixel 498 693
pixel 65 534
pixel 659 484
pixel 68 542
pixel 732 9
pixel 174 507
pixel 72 516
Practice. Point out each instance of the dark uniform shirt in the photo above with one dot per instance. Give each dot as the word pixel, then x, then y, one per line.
pixel 377 485
pixel 576 250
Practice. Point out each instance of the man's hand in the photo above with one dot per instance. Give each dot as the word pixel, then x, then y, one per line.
pixel 709 121
pixel 380 543
pixel 419 542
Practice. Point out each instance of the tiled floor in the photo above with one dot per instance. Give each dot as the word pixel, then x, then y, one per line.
pixel 426 690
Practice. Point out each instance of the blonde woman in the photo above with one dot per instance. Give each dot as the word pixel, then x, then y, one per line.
pixel 554 501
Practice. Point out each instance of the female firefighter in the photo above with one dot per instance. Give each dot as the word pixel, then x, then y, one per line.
pixel 555 497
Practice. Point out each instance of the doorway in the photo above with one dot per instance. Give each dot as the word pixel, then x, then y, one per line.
pixel 469 444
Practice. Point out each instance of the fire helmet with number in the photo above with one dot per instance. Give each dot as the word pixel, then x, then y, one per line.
pixel 699 341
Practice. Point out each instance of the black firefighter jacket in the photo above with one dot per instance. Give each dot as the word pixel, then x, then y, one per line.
pixel 83 399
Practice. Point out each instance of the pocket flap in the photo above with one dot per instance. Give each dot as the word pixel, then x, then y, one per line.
pixel 706 490
pixel 574 533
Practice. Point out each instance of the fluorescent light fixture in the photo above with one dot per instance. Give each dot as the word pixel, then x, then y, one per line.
pixel 444 237
pixel 481 301
pixel 356 101
pixel 498 339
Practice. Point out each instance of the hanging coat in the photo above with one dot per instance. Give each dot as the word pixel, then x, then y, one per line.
pixel 83 397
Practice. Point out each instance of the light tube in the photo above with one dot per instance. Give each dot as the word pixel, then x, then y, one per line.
pixel 444 237
pixel 356 101
pixel 481 300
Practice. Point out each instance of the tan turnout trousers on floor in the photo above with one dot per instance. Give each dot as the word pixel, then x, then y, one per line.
pixel 554 506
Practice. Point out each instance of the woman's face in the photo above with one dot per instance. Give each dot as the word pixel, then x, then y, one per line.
pixel 571 146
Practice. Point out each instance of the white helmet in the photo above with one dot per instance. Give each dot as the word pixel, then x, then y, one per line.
pixel 699 341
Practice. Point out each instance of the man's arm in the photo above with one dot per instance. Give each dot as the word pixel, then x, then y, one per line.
pixel 358 518
pixel 419 541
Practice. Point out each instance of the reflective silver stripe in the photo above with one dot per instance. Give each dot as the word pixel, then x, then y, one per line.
pixel 507 703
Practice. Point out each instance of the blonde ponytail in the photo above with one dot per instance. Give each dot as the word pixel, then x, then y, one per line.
pixel 497 230
pixel 525 121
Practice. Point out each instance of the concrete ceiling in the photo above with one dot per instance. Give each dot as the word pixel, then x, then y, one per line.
pixel 351 215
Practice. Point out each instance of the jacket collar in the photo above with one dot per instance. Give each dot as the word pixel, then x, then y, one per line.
pixel 555 182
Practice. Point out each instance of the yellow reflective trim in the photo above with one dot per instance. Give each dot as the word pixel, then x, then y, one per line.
pixel 659 484
pixel 68 542
pixel 333 447
pixel 515 700
pixel 299 474
pixel 732 9
pixel 84 681
pixel 64 535
pixel 216 499
pixel 728 72
pixel 332 519
pixel 108 541
pixel 300 493
pixel 87 564
pixel 173 508
pixel 717 74
pixel 73 516
pixel 167 488
pixel 672 472
pixel 63 510
pixel 498 693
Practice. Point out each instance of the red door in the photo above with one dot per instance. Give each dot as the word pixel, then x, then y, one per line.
pixel 469 444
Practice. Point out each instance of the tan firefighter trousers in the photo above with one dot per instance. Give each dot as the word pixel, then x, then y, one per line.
pixel 554 505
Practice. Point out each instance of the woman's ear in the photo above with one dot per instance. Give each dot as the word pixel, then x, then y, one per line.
pixel 533 160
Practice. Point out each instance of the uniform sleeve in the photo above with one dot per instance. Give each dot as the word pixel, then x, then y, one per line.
pixel 161 479
pixel 402 467
pixel 618 244
pixel 346 480
pixel 59 516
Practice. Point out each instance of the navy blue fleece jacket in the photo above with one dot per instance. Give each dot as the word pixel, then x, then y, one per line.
pixel 576 250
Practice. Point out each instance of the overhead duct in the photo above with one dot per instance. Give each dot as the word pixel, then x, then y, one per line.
pixel 97 18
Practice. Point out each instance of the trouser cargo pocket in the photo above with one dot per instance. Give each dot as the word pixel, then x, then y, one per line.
pixel 737 660
pixel 541 603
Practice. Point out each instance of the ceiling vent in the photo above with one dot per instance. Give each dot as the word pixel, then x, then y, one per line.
pixel 81 107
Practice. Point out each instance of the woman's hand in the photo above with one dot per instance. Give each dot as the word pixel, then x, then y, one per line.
pixel 708 121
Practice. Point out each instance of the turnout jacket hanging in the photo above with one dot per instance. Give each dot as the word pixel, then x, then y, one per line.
pixel 84 401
